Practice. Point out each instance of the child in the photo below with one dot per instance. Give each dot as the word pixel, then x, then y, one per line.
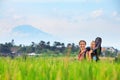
pixel 93 55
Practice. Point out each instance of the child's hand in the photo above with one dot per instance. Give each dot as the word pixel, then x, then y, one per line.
pixel 91 51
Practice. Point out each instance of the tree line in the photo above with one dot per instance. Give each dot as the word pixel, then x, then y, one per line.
pixel 38 48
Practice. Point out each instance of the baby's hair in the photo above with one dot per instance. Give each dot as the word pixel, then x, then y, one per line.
pixel 82 41
pixel 92 41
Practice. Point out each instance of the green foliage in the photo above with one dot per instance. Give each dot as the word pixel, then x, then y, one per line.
pixel 5 48
pixel 39 48
pixel 117 59
pixel 110 54
pixel 60 68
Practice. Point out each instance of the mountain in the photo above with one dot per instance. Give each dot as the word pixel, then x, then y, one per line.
pixel 28 29
pixel 25 34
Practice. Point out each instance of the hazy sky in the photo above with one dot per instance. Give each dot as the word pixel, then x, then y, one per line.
pixel 71 20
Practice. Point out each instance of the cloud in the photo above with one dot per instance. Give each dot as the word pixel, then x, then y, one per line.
pixel 11 13
pixel 17 17
pixel 115 13
pixel 97 13
pixel 7 24
pixel 64 28
pixel 9 20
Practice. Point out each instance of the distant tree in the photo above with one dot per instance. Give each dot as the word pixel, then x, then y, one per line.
pixel 22 49
pixel 33 44
pixel 58 47
pixel 110 54
pixel 32 47
pixel 42 44
pixel 62 48
pixel 5 48
pixel 12 42
pixel 117 58
pixel 75 48
pixel 48 45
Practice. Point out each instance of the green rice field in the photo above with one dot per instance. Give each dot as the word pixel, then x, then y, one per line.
pixel 57 68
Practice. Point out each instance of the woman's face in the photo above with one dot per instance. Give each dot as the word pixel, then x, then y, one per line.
pixel 82 45
pixel 92 45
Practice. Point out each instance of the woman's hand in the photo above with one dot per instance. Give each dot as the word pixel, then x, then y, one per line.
pixel 82 51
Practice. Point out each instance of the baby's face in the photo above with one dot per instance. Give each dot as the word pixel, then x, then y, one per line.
pixel 93 45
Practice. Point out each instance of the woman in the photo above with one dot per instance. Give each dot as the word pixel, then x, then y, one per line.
pixel 82 53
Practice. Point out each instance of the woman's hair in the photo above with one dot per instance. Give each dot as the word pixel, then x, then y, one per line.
pixel 82 41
